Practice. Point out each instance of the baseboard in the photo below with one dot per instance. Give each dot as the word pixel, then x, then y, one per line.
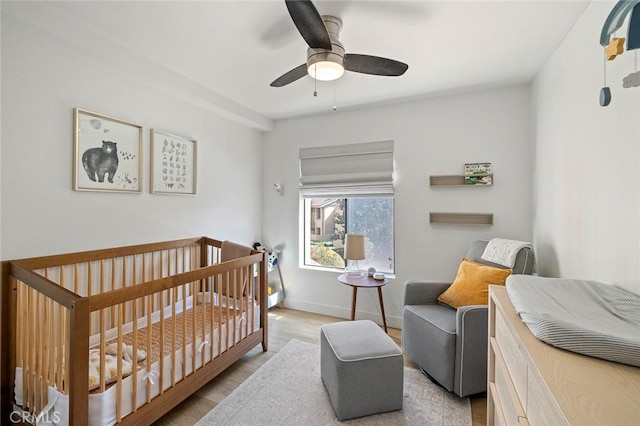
pixel 334 311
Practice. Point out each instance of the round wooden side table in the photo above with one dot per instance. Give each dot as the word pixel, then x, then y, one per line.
pixel 367 282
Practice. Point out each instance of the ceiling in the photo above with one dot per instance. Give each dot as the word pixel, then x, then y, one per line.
pixel 233 50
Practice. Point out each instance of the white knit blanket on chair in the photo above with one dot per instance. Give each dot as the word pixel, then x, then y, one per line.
pixel 503 252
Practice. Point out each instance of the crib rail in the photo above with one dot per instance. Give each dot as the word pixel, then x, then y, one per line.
pixel 120 299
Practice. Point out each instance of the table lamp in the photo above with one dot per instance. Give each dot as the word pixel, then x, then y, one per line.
pixel 353 251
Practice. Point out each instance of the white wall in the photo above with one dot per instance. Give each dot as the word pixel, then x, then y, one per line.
pixel 43 78
pixel 587 187
pixel 434 136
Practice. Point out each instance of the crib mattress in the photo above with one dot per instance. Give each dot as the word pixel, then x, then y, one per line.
pixel 586 317
pixel 204 320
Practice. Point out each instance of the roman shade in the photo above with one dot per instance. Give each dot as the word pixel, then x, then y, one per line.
pixel 344 171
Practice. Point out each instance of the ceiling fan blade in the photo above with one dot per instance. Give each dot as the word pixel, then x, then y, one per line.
pixel 293 75
pixel 309 22
pixel 375 65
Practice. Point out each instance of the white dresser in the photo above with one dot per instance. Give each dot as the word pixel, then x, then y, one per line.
pixel 533 383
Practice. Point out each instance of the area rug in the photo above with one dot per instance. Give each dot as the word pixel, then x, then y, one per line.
pixel 288 390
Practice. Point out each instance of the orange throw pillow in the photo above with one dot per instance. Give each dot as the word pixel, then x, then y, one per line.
pixel 471 286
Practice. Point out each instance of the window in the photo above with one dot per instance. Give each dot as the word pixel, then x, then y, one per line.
pixel 347 189
pixel 372 217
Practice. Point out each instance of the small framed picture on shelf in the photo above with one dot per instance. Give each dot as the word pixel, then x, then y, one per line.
pixel 478 174
pixel 173 164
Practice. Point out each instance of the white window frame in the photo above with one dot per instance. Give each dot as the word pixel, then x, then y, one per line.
pixel 305 233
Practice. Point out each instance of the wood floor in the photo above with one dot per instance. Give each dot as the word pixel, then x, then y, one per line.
pixel 284 325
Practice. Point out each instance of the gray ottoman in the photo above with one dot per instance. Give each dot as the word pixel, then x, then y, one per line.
pixel 362 369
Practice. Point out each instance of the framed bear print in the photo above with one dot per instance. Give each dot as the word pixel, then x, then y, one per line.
pixel 173 164
pixel 107 153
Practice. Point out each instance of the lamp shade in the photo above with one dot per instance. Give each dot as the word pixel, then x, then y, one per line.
pixel 354 247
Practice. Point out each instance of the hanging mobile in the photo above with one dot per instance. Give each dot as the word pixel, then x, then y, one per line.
pixel 633 43
pixel 633 79
pixel 605 92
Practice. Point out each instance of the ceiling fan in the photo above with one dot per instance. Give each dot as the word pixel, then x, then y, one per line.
pixel 326 57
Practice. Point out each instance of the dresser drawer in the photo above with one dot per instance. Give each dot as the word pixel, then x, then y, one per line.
pixel 497 415
pixel 542 407
pixel 514 360
pixel 511 406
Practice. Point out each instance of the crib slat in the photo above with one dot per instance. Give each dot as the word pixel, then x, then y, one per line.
pixel 194 346
pixel 244 274
pixel 48 342
pixel 213 316
pixel 251 300
pixel 162 337
pixel 20 326
pixel 156 296
pixel 26 338
pixel 173 337
pixel 102 278
pixel 134 357
pixel 37 353
pixel 162 267
pixel 60 341
pixel 184 329
pixel 204 318
pixel 237 293
pixel 103 347
pixel 67 344
pixel 249 296
pixel 144 280
pixel 121 312
pixel 123 284
pixel 221 283
pixel 113 287
pixel 227 283
pixel 89 279
pixel 149 309
pixel 33 351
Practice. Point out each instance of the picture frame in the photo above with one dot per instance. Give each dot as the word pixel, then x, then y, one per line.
pixel 107 153
pixel 174 161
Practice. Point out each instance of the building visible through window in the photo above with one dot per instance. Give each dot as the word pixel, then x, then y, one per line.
pixel 327 220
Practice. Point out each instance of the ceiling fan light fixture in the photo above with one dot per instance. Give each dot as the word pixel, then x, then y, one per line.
pixel 326 65
pixel 325 70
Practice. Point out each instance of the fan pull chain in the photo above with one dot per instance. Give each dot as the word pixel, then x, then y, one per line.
pixel 315 80
pixel 604 57
pixel 335 84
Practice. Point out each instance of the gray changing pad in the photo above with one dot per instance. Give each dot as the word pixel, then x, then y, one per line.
pixel 586 317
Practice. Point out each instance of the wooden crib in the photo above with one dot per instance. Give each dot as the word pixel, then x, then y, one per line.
pixel 190 314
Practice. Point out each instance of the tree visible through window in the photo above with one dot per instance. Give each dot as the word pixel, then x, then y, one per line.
pixel 372 217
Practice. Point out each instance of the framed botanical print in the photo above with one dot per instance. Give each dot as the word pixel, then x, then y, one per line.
pixel 107 153
pixel 173 163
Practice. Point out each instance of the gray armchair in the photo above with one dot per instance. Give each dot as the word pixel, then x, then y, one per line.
pixel 450 345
